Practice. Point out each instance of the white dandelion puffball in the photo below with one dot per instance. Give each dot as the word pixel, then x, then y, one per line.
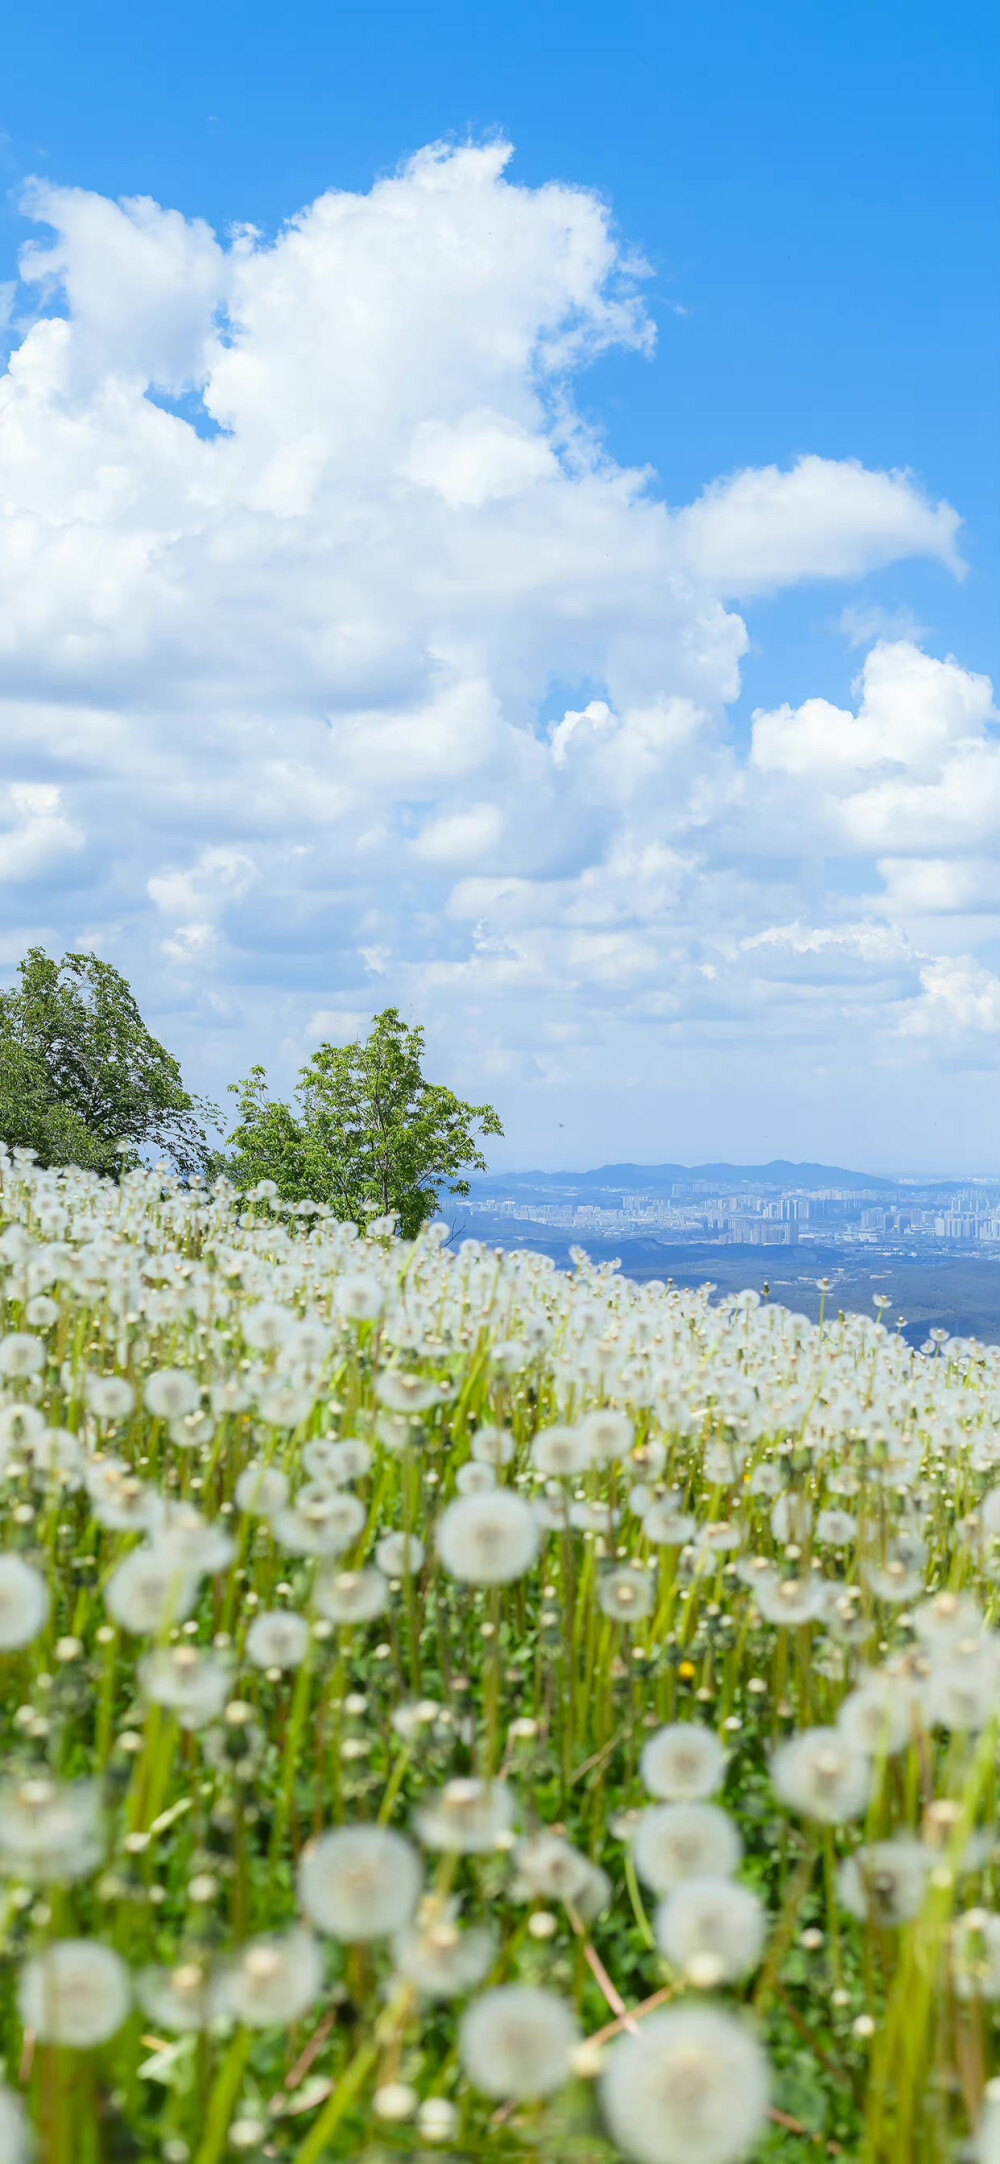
pixel 57 1450
pixel 148 1591
pixel 876 1717
pixel 712 1929
pixel 283 1404
pixel 690 2086
pixel 170 1393
pixel 492 1446
pixel 683 1763
pixel 261 1490
pixel 267 1325
pixel 608 1434
pixel 320 1522
pixel 789 1601
pixel 177 1999
pixel 677 1841
pixel 766 1480
pixel 550 1866
pixel 192 1543
pixel 273 1981
pixel 394 1431
pixel 941 1621
pixel 468 1815
pixel 820 1775
pixel 438 2119
pixel 230 1396
pixel 195 1685
pixel 404 1393
pixel 191 1432
pixel 488 1539
pixel 667 1526
pixel 352 1596
pixel 24 1603
pixel 320 1461
pixel 308 1342
pixel 110 1396
pixel 76 1993
pixel 359 1882
pixel 50 1830
pixel 21 1354
pixel 337 1462
pixel 359 1298
pixel 836 1527
pixel 963 1687
pixel 21 1427
pixel 517 2042
pixel 626 1594
pixel 561 1452
pixel 475 1479
pixel 441 1961
pixel 16 2145
pixel 277 1638
pixel 399 1554
pixel 886 1880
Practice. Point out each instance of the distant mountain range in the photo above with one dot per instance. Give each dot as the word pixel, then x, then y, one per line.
pixel 779 1173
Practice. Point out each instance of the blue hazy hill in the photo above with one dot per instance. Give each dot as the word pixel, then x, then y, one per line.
pixel 779 1173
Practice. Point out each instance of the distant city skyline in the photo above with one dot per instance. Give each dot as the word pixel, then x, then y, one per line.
pixel 787 1230
pixel 498 518
pixel 751 1204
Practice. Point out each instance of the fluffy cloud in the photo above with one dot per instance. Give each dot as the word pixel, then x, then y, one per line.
pixel 39 835
pixel 958 999
pixel 916 769
pixel 825 519
pixel 299 538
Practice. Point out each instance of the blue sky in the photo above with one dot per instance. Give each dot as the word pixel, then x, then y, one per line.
pixel 813 194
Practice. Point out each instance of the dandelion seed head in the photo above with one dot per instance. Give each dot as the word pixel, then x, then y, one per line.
pixel 467 1815
pixel 672 1842
pixel 24 1603
pixel 76 1993
pixel 822 1776
pixel 683 1763
pixel 488 1539
pixel 352 1596
pixel 626 1594
pixel 691 2086
pixel 277 1638
pixel 359 1882
pixel 517 2041
pixel 274 1980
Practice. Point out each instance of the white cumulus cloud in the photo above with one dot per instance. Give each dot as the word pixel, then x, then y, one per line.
pixel 826 518
pixel 958 997
pixel 39 835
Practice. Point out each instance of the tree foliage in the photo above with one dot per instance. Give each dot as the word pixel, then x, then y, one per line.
pixel 370 1133
pixel 82 1080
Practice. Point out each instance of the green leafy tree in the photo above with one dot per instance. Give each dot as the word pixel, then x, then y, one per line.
pixel 82 1080
pixel 370 1133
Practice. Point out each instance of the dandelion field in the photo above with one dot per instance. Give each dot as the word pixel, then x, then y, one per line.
pixel 457 1709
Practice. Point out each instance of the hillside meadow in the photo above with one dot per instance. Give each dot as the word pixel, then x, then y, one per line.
pixel 458 1708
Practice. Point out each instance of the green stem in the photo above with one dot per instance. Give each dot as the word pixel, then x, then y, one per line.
pixel 333 2111
pixel 635 1897
pixel 225 2090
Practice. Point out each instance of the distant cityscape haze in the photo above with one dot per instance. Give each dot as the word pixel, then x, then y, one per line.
pixel 816 1238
